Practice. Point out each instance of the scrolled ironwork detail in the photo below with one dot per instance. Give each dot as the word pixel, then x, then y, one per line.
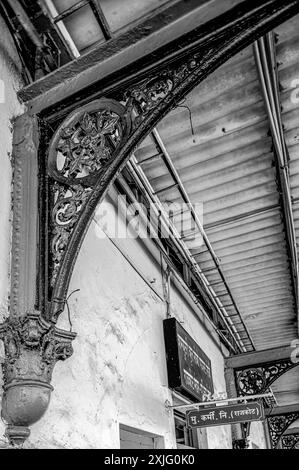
pixel 144 97
pixel 256 380
pixel 94 142
pixel 279 424
pixel 86 142
pixel 251 381
pixel 290 441
pixel 240 444
pixel 80 149
pixel 148 94
pixel 67 204
pixel 84 156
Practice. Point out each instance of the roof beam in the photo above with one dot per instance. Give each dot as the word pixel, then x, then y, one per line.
pixel 120 53
pixel 281 410
pixel 259 357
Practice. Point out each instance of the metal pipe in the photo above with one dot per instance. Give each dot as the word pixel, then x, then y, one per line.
pixel 269 83
pixel 239 218
pixel 266 84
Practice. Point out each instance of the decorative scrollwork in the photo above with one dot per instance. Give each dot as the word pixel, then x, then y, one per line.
pixel 148 94
pixel 240 444
pixel 251 382
pixel 80 149
pixel 279 424
pixel 255 380
pixel 290 441
pixel 94 142
pixel 68 202
pixel 86 142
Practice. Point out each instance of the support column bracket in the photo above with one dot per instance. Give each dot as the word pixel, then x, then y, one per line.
pixel 32 348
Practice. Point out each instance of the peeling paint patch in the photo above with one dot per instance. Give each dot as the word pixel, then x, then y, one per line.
pixel 131 308
pixel 115 331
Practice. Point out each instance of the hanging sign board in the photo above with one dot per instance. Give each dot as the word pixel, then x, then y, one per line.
pixel 188 367
pixel 228 414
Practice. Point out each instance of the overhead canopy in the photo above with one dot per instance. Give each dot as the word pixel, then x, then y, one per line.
pixel 229 166
pixel 232 147
pixel 221 145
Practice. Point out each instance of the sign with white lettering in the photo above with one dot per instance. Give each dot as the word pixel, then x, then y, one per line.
pixel 189 368
pixel 229 414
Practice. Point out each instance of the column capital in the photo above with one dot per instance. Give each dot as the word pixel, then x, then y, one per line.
pixel 32 348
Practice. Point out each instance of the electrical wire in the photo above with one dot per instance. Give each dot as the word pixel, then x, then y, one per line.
pixel 68 309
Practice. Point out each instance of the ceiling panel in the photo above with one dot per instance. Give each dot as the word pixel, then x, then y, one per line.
pixel 228 166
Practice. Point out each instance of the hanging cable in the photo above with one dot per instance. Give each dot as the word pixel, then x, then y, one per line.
pixel 190 118
pixel 68 309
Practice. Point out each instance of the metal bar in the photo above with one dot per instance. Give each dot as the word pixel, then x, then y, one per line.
pixel 70 10
pixel 150 158
pixel 163 190
pixel 208 270
pixel 98 13
pixel 214 284
pixel 228 400
pixel 225 294
pixel 238 218
pixel 258 358
pixel 281 410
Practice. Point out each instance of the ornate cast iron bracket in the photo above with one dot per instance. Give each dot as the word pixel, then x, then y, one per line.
pixel 32 348
pixel 94 142
pixel 87 151
pixel 278 426
pixel 257 380
pixel 290 441
pixel 240 444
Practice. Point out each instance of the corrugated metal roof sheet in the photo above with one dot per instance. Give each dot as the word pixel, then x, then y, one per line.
pixel 286 388
pixel 230 168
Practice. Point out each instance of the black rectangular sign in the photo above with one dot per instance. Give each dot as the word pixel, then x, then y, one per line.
pixel 188 367
pixel 229 414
